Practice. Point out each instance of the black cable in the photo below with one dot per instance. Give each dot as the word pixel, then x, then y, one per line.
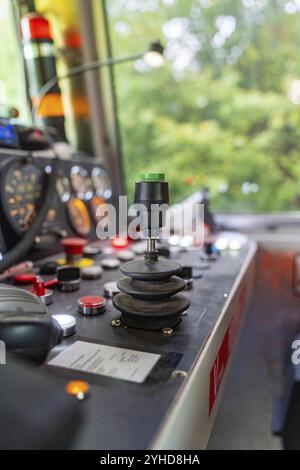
pixel 24 245
pixel 73 72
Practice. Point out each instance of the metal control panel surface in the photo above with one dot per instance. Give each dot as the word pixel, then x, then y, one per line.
pixel 174 407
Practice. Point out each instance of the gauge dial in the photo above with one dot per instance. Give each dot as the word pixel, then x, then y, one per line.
pixel 96 202
pixel 81 183
pixel 63 188
pixel 79 216
pixel 102 183
pixel 51 218
pixel 22 194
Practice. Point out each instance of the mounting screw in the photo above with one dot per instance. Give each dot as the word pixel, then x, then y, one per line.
pixel 116 322
pixel 225 295
pixel 168 331
pixel 181 374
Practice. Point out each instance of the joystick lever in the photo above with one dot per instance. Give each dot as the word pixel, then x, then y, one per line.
pixel 40 289
pixel 149 296
pixel 151 199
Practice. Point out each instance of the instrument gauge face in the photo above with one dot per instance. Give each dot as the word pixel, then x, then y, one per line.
pixel 96 202
pixel 22 191
pixel 81 183
pixel 102 183
pixel 79 216
pixel 51 219
pixel 63 188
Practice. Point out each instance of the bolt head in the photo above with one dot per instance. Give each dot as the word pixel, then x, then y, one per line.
pixel 168 331
pixel 179 374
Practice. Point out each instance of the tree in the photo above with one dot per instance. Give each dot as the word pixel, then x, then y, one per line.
pixel 223 112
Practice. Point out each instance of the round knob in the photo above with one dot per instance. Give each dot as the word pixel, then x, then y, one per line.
pixel 69 278
pixel 39 289
pixel 67 323
pixel 73 248
pixel 91 305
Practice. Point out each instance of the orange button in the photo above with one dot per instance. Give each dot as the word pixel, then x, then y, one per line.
pixel 78 388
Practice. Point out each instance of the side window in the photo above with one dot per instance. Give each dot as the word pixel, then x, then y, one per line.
pixel 12 80
pixel 223 112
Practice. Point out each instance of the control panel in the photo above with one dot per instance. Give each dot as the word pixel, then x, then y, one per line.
pixel 141 332
pixel 139 384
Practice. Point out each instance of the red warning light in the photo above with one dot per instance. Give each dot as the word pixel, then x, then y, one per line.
pixel 35 26
pixel 119 242
pixel 73 39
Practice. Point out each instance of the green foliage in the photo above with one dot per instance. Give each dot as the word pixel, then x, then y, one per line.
pixel 224 120
pixel 12 87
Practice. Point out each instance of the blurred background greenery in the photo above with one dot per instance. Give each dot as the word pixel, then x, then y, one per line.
pixel 12 78
pixel 224 111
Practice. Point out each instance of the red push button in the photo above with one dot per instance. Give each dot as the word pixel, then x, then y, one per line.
pixel 74 246
pixel 91 305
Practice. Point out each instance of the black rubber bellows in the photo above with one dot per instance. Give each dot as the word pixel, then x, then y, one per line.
pixel 149 296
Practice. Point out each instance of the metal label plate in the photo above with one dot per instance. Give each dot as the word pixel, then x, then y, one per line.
pixel 109 361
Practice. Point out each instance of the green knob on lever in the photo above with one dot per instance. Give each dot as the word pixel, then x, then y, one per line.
pixel 160 177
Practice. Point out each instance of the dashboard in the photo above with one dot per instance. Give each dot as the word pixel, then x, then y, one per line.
pixel 132 391
pixel 82 186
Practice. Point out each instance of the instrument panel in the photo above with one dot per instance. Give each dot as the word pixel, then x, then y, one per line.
pixel 82 185
pixel 21 194
pixel 79 216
